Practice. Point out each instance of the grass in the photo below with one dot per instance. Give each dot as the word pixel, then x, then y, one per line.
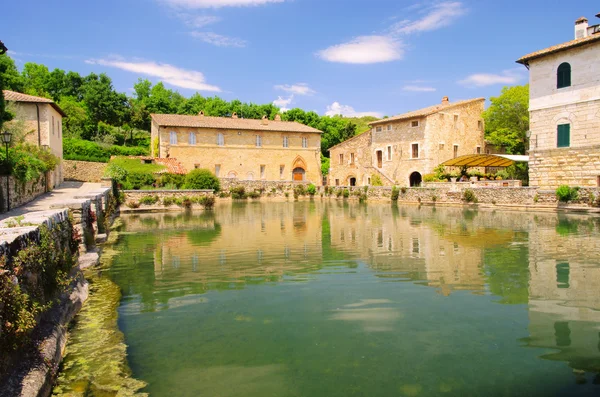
pixel 136 165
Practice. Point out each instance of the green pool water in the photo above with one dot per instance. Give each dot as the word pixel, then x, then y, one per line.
pixel 337 299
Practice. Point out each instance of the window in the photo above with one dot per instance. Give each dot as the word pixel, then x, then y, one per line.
pixel 389 127
pixel 217 170
pixel 563 76
pixel 262 171
pixel 337 182
pixel 478 150
pixel 414 123
pixel 258 141
pixel 285 141
pixel 192 139
pixel 341 158
pixel 378 129
pixel 564 135
pixel 173 138
pixel 351 158
pixel 455 151
pixel 389 153
pixel 304 142
pixel 415 150
pixel 220 139
pixel 281 169
pixel 456 121
pixel 52 125
pixel 480 125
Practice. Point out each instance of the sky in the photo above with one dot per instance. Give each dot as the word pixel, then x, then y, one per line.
pixel 350 57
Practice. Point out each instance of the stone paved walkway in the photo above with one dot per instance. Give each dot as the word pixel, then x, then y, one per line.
pixel 66 192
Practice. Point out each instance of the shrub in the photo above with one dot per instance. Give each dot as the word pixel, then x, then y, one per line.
pixel 300 190
pixel 376 180
pixel 434 198
pixel 346 193
pixel 566 193
pixel 502 174
pixel 174 181
pixel 202 179
pixel 312 190
pixel 133 204
pixel 536 198
pixel 430 178
pixel 167 201
pixel 238 192
pixel 338 192
pixel 208 202
pixel 254 195
pixel 395 193
pixel 137 180
pixel 149 200
pixel 469 196
pixel 403 190
pixel 116 172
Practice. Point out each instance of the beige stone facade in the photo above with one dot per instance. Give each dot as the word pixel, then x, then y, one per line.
pixel 270 150
pixel 401 149
pixel 566 107
pixel 43 123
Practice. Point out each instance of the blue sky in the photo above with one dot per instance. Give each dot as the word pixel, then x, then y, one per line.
pixel 380 57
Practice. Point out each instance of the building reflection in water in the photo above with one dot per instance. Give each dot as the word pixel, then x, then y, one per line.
pixel 548 263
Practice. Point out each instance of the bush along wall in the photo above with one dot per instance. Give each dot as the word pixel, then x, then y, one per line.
pixel 35 267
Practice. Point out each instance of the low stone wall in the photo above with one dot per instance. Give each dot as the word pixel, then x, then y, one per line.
pixel 20 192
pixel 83 171
pixel 269 188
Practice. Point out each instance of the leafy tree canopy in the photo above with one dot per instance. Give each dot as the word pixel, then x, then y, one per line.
pixel 507 119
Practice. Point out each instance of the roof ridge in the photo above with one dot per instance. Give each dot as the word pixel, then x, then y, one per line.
pixel 350 139
pixel 427 111
pixel 558 47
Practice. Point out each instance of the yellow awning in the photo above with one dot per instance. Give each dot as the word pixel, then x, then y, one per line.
pixel 485 160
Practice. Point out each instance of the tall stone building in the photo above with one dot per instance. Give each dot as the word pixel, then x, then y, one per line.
pixel 399 150
pixel 564 111
pixel 43 123
pixel 245 149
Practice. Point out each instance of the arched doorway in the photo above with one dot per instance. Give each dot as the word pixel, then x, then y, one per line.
pixel 231 174
pixel 298 174
pixel 250 176
pixel 415 179
pixel 352 181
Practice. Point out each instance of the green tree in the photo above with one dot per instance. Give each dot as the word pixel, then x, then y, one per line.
pixel 77 117
pixel 507 119
pixel 36 78
pixel 103 102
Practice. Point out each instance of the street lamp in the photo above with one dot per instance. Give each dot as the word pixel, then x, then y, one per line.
pixel 6 138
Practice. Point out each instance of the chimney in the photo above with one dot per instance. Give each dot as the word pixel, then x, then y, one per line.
pixel 201 113
pixel 265 120
pixel 445 100
pixel 277 117
pixel 581 28
pixel 234 115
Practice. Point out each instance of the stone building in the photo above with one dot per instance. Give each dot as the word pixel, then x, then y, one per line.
pixel 564 111
pixel 399 150
pixel 245 149
pixel 43 124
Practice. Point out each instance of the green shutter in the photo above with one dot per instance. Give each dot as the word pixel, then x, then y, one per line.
pixel 564 135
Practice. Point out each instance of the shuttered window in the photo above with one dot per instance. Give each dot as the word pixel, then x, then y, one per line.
pixel 564 135
pixel 563 76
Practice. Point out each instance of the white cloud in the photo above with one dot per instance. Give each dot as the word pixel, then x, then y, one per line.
pixel 348 111
pixel 439 16
pixel 364 50
pixel 218 3
pixel 198 21
pixel 511 76
pixel 417 88
pixel 283 103
pixel 172 75
pixel 299 89
pixel 218 40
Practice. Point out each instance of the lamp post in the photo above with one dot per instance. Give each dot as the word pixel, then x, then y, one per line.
pixel 6 138
pixel 528 135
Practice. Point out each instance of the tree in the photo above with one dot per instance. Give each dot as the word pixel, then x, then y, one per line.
pixel 507 119
pixel 103 102
pixel 36 78
pixel 75 124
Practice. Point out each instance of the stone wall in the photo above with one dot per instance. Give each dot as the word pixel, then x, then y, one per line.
pixel 566 166
pixel 20 192
pixel 83 171
pixel 136 195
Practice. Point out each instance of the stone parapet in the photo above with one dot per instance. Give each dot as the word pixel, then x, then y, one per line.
pixel 83 171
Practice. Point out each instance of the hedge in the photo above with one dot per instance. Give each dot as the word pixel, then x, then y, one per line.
pixel 82 150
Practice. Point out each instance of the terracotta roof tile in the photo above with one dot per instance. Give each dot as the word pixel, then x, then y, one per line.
pixel 20 97
pixel 560 47
pixel 175 120
pixel 426 111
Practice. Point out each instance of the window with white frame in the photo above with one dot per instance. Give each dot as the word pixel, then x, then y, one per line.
pixel 304 142
pixel 192 138
pixel 351 158
pixel 415 150
pixel 389 153
pixel 173 138
pixel 217 170
pixel 378 129
pixel 220 139
pixel 414 123
pixel 341 158
pixel 262 171
pixel 389 127
pixel 286 141
pixel 258 141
